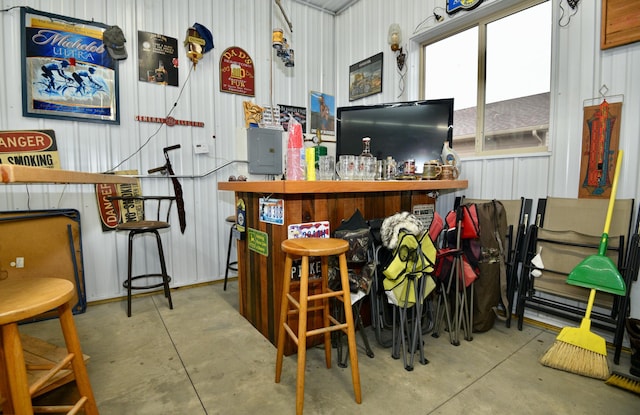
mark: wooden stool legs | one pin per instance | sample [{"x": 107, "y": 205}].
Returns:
[
  {"x": 79, "y": 369},
  {"x": 282, "y": 326},
  {"x": 351, "y": 329},
  {"x": 301, "y": 307},
  {"x": 14, "y": 384}
]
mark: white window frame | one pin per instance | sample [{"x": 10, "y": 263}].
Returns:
[{"x": 480, "y": 17}]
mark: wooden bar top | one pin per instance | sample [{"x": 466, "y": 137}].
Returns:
[
  {"x": 26, "y": 174},
  {"x": 335, "y": 186}
]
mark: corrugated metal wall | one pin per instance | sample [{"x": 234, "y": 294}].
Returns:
[
  {"x": 325, "y": 46},
  {"x": 199, "y": 255},
  {"x": 580, "y": 70}
]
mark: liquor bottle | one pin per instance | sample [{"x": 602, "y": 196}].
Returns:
[{"x": 366, "y": 147}]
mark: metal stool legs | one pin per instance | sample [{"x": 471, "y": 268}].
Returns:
[
  {"x": 128, "y": 284},
  {"x": 233, "y": 266}
]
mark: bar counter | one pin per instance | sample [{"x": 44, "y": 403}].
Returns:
[
  {"x": 260, "y": 276},
  {"x": 353, "y": 186}
]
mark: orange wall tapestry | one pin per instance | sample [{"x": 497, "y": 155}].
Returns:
[{"x": 600, "y": 142}]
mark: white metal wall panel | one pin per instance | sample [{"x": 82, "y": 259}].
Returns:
[
  {"x": 199, "y": 255},
  {"x": 580, "y": 69}
]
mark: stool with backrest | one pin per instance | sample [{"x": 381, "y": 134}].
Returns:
[
  {"x": 22, "y": 299},
  {"x": 231, "y": 265},
  {"x": 322, "y": 248},
  {"x": 141, "y": 227}
]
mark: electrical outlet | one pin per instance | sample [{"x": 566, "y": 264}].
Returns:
[{"x": 20, "y": 262}]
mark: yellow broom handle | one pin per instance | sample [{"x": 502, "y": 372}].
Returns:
[
  {"x": 592, "y": 297},
  {"x": 614, "y": 189}
]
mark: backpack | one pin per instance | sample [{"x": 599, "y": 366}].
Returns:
[
  {"x": 491, "y": 287},
  {"x": 356, "y": 231}
]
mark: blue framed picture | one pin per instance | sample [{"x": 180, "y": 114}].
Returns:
[{"x": 67, "y": 72}]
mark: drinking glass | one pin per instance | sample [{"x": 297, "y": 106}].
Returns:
[
  {"x": 346, "y": 167},
  {"x": 326, "y": 167}
]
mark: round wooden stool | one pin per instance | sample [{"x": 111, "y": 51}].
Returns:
[
  {"x": 322, "y": 248},
  {"x": 24, "y": 298}
]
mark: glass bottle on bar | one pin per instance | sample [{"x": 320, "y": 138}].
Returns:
[
  {"x": 366, "y": 161},
  {"x": 366, "y": 147}
]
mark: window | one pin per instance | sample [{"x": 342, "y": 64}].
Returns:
[{"x": 499, "y": 73}]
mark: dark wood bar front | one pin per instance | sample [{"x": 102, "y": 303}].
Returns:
[{"x": 260, "y": 277}]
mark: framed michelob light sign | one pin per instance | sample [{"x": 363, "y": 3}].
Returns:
[{"x": 66, "y": 70}]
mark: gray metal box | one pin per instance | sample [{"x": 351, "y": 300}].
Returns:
[{"x": 265, "y": 151}]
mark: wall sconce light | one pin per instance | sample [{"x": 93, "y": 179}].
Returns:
[
  {"x": 394, "y": 39},
  {"x": 283, "y": 51}
]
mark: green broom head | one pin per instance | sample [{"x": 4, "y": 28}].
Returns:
[{"x": 598, "y": 272}]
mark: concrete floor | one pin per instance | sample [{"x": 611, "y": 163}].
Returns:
[{"x": 204, "y": 358}]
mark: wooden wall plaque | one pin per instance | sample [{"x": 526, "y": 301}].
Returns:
[{"x": 620, "y": 23}]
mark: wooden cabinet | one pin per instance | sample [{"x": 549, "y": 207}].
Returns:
[{"x": 260, "y": 277}]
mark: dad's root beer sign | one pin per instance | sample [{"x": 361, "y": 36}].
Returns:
[{"x": 36, "y": 148}]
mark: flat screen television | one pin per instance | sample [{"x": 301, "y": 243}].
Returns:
[{"x": 415, "y": 130}]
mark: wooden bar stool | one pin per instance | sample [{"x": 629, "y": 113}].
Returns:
[
  {"x": 322, "y": 248},
  {"x": 24, "y": 298}
]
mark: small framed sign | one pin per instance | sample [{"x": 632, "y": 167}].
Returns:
[
  {"x": 365, "y": 77},
  {"x": 237, "y": 74}
]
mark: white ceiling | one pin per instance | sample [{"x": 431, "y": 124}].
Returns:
[{"x": 329, "y": 6}]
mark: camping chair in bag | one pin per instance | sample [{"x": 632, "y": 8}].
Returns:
[{"x": 517, "y": 212}]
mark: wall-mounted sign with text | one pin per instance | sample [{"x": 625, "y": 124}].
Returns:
[
  {"x": 237, "y": 75},
  {"x": 36, "y": 148},
  {"x": 157, "y": 59},
  {"x": 113, "y": 212}
]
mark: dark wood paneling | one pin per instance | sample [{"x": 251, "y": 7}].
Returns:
[{"x": 261, "y": 278}]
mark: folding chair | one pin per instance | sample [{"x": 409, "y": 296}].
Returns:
[
  {"x": 407, "y": 284},
  {"x": 382, "y": 311},
  {"x": 455, "y": 292},
  {"x": 357, "y": 263},
  {"x": 565, "y": 232}
]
